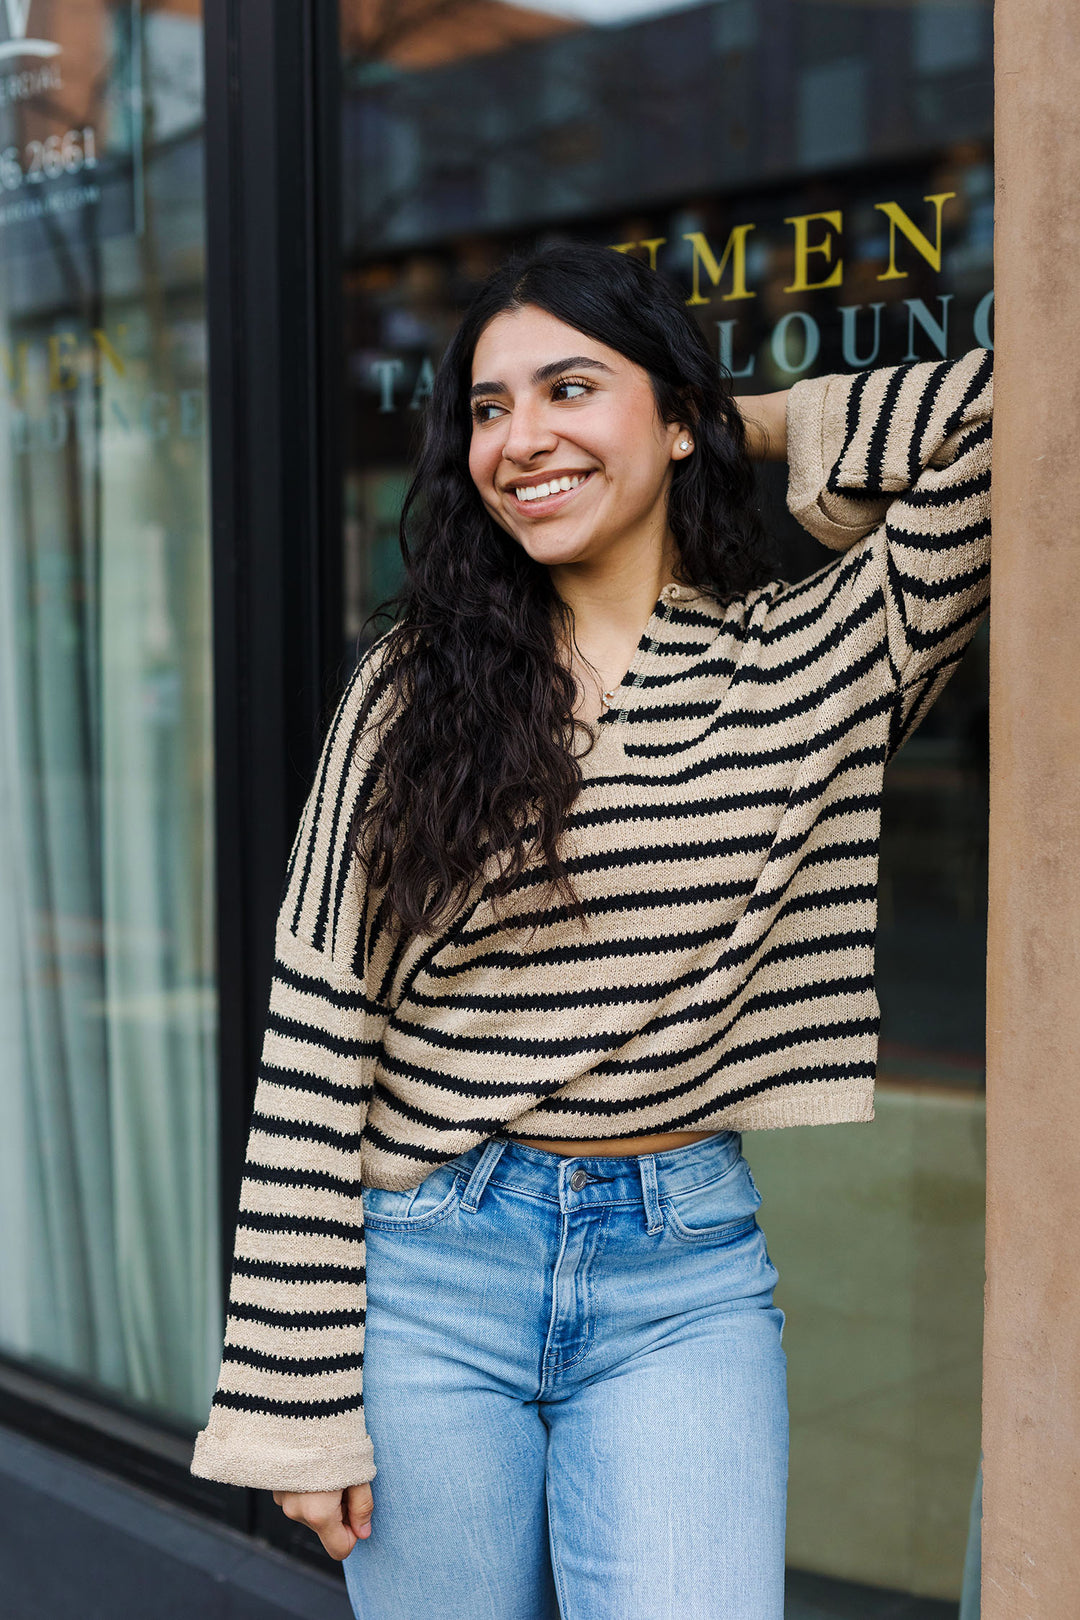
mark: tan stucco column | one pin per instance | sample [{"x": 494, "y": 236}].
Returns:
[{"x": 1031, "y": 1397}]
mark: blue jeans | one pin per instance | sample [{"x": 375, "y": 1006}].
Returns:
[{"x": 575, "y": 1385}]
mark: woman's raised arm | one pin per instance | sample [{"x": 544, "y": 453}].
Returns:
[{"x": 765, "y": 419}]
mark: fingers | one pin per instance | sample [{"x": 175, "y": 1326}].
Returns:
[
  {"x": 324, "y": 1512},
  {"x": 359, "y": 1506}
]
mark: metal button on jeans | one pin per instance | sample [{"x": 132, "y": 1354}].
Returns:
[{"x": 578, "y": 1179}]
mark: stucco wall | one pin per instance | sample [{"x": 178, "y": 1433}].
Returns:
[{"x": 1031, "y": 1506}]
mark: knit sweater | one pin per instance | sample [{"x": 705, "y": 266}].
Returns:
[{"x": 724, "y": 845}]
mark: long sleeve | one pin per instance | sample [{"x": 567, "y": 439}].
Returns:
[
  {"x": 892, "y": 466},
  {"x": 288, "y": 1410}
]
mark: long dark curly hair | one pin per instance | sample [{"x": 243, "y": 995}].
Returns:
[{"x": 480, "y": 758}]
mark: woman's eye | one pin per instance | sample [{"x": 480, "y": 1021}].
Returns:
[{"x": 484, "y": 410}]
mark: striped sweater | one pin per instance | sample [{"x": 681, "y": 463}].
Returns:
[{"x": 725, "y": 846}]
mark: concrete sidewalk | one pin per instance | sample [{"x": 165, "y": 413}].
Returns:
[{"x": 75, "y": 1541}]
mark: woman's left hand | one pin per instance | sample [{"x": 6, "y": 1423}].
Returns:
[{"x": 339, "y": 1518}]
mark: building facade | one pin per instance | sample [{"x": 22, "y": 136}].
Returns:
[{"x": 232, "y": 248}]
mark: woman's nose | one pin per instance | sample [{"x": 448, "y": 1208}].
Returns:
[{"x": 529, "y": 435}]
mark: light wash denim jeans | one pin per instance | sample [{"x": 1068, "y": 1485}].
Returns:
[{"x": 575, "y": 1385}]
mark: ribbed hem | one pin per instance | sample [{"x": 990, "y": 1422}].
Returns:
[{"x": 807, "y": 1102}]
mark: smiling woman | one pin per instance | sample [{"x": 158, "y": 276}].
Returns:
[
  {"x": 538, "y": 967},
  {"x": 531, "y": 607}
]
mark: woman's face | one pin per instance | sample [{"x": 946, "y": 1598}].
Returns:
[{"x": 554, "y": 409}]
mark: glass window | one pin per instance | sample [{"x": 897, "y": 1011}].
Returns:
[
  {"x": 108, "y": 1139},
  {"x": 817, "y": 178}
]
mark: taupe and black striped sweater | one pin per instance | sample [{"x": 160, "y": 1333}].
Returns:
[{"x": 725, "y": 844}]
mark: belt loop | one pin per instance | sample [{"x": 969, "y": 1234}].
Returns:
[
  {"x": 654, "y": 1215},
  {"x": 482, "y": 1169}
]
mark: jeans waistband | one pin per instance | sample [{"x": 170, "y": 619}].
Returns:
[{"x": 581, "y": 1182}]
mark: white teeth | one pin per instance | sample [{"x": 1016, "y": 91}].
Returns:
[{"x": 537, "y": 492}]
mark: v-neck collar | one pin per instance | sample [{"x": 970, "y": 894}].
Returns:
[{"x": 651, "y": 637}]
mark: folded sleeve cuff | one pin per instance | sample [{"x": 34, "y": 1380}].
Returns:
[
  {"x": 240, "y": 1459},
  {"x": 817, "y": 429}
]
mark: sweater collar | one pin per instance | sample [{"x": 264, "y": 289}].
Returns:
[{"x": 655, "y": 633}]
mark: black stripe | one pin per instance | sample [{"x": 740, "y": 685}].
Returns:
[
  {"x": 836, "y": 576},
  {"x": 952, "y": 494},
  {"x": 920, "y": 640},
  {"x": 724, "y": 804},
  {"x": 854, "y": 617},
  {"x": 332, "y": 994},
  {"x": 598, "y": 906},
  {"x": 854, "y": 759},
  {"x": 687, "y": 649},
  {"x": 418, "y": 1153},
  {"x": 300, "y": 1225},
  {"x": 680, "y": 617},
  {"x": 240, "y": 1311},
  {"x": 298, "y": 1409},
  {"x": 854, "y": 405},
  {"x": 812, "y": 1074},
  {"x": 979, "y": 379},
  {"x": 313, "y": 1035},
  {"x": 717, "y": 669},
  {"x": 923, "y": 412},
  {"x": 355, "y": 679},
  {"x": 310, "y": 1271},
  {"x": 327, "y": 916},
  {"x": 935, "y": 590},
  {"x": 313, "y": 1085},
  {"x": 873, "y": 483},
  {"x": 346, "y": 863},
  {"x": 295, "y": 1366},
  {"x": 964, "y": 536},
  {"x": 319, "y": 1180},
  {"x": 306, "y": 1131}
]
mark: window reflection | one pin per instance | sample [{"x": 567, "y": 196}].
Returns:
[{"x": 108, "y": 1166}]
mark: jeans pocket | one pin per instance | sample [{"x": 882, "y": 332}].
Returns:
[
  {"x": 414, "y": 1209},
  {"x": 721, "y": 1210}
]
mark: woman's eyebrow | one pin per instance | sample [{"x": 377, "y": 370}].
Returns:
[{"x": 543, "y": 374}]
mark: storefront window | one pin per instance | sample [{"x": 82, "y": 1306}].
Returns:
[
  {"x": 108, "y": 1136},
  {"x": 817, "y": 178}
]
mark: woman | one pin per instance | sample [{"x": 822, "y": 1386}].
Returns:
[{"x": 584, "y": 888}]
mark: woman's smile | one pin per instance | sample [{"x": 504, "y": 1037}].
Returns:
[{"x": 542, "y": 494}]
